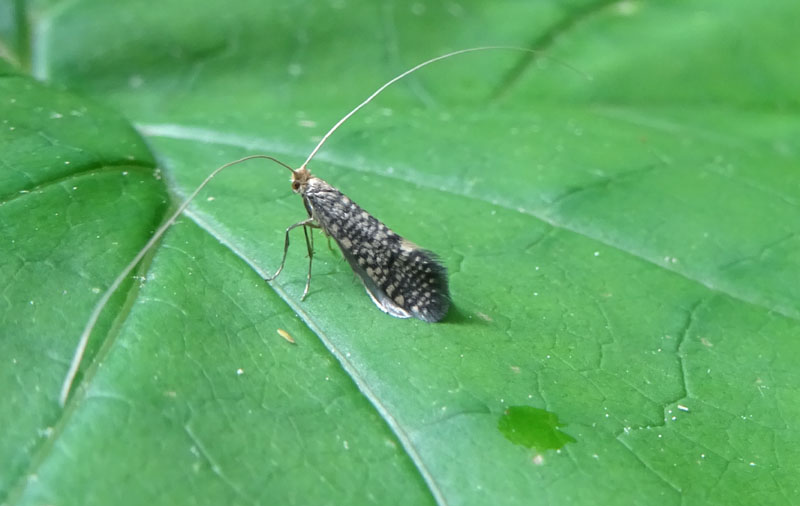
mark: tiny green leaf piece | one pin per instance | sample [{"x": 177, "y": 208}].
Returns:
[{"x": 533, "y": 428}]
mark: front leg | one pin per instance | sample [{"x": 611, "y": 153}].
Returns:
[
  {"x": 310, "y": 247},
  {"x": 305, "y": 223}
]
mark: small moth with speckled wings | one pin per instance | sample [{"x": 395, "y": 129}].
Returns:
[{"x": 401, "y": 278}]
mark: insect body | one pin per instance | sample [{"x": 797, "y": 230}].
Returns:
[{"x": 402, "y": 279}]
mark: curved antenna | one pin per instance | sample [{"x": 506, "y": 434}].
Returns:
[
  {"x": 101, "y": 303},
  {"x": 419, "y": 66}
]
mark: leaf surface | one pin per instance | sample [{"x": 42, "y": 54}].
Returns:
[{"x": 622, "y": 255}]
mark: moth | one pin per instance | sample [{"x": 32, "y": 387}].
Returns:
[{"x": 401, "y": 278}]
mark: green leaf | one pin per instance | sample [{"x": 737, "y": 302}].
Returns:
[{"x": 622, "y": 255}]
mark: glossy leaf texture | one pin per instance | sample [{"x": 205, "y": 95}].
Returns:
[{"x": 622, "y": 253}]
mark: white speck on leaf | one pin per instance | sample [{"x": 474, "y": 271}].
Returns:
[{"x": 135, "y": 81}]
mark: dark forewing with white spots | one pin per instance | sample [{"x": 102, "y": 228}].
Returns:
[{"x": 400, "y": 277}]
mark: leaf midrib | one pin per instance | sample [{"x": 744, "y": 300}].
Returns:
[{"x": 225, "y": 139}]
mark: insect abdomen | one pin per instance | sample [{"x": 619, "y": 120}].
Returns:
[{"x": 401, "y": 278}]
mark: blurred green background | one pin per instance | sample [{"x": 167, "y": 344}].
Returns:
[{"x": 622, "y": 253}]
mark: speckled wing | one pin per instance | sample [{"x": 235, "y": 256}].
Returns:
[{"x": 401, "y": 278}]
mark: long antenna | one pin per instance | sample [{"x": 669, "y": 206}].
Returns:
[
  {"x": 80, "y": 349},
  {"x": 419, "y": 66}
]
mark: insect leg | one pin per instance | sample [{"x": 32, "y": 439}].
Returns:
[
  {"x": 310, "y": 246},
  {"x": 304, "y": 223}
]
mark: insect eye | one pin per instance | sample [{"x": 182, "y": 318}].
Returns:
[{"x": 295, "y": 185}]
